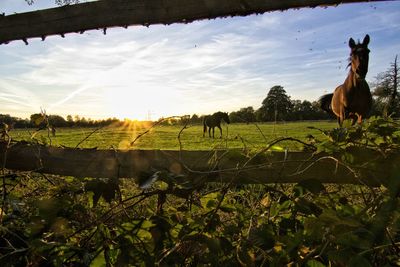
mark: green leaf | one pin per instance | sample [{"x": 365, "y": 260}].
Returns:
[
  {"x": 263, "y": 236},
  {"x": 357, "y": 261},
  {"x": 107, "y": 190},
  {"x": 245, "y": 256},
  {"x": 314, "y": 263},
  {"x": 147, "y": 179},
  {"x": 351, "y": 240},
  {"x": 99, "y": 261},
  {"x": 307, "y": 207},
  {"x": 210, "y": 200},
  {"x": 161, "y": 185},
  {"x": 228, "y": 208},
  {"x": 48, "y": 208},
  {"x": 37, "y": 119},
  {"x": 213, "y": 244},
  {"x": 312, "y": 185},
  {"x": 277, "y": 148}
]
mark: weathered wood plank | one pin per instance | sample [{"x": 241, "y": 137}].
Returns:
[
  {"x": 114, "y": 13},
  {"x": 210, "y": 166}
]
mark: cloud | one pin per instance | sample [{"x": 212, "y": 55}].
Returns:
[{"x": 223, "y": 64}]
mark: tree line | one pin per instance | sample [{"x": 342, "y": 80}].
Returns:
[
  {"x": 277, "y": 106},
  {"x": 40, "y": 119}
]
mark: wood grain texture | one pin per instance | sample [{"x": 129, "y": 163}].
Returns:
[
  {"x": 122, "y": 13},
  {"x": 207, "y": 166}
]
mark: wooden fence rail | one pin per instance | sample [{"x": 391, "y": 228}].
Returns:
[
  {"x": 112, "y": 13},
  {"x": 209, "y": 166}
]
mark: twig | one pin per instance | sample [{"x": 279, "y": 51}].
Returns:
[
  {"x": 396, "y": 246},
  {"x": 13, "y": 252},
  {"x": 179, "y": 138},
  {"x": 84, "y": 139},
  {"x": 3, "y": 167},
  {"x": 378, "y": 248},
  {"x": 47, "y": 179},
  {"x": 154, "y": 125}
]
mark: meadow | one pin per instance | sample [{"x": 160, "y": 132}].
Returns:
[{"x": 173, "y": 137}]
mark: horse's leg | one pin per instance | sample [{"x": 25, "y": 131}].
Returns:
[
  {"x": 213, "y": 131},
  {"x": 339, "y": 121},
  {"x": 342, "y": 116},
  {"x": 353, "y": 119},
  {"x": 209, "y": 131},
  {"x": 220, "y": 131},
  {"x": 204, "y": 130},
  {"x": 359, "y": 119}
]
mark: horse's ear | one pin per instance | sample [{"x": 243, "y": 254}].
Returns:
[
  {"x": 352, "y": 43},
  {"x": 366, "y": 40}
]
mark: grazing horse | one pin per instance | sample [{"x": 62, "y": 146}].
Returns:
[
  {"x": 351, "y": 100},
  {"x": 213, "y": 121}
]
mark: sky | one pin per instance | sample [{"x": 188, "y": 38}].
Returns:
[{"x": 197, "y": 68}]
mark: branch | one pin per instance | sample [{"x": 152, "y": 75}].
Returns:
[{"x": 123, "y": 13}]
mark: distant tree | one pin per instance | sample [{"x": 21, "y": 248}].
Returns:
[
  {"x": 235, "y": 117},
  {"x": 302, "y": 110},
  {"x": 82, "y": 122},
  {"x": 276, "y": 106},
  {"x": 296, "y": 110},
  {"x": 13, "y": 122},
  {"x": 70, "y": 120},
  {"x": 243, "y": 115},
  {"x": 386, "y": 90},
  {"x": 57, "y": 121},
  {"x": 7, "y": 119},
  {"x": 195, "y": 119},
  {"x": 318, "y": 113}
]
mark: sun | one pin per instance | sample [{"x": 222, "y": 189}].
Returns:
[{"x": 132, "y": 104}]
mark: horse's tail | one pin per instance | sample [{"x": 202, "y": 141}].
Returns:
[
  {"x": 325, "y": 102},
  {"x": 204, "y": 126}
]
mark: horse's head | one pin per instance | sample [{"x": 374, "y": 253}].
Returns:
[
  {"x": 225, "y": 116},
  {"x": 359, "y": 56}
]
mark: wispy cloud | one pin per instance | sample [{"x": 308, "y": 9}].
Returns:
[{"x": 202, "y": 67}]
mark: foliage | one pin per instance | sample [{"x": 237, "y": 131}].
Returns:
[
  {"x": 16, "y": 122},
  {"x": 57, "y": 121},
  {"x": 165, "y": 220},
  {"x": 386, "y": 90},
  {"x": 243, "y": 115}
]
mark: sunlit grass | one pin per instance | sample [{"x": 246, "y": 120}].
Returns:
[{"x": 190, "y": 138}]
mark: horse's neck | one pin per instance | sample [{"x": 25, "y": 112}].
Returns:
[{"x": 352, "y": 80}]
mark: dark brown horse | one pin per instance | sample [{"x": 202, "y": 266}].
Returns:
[
  {"x": 352, "y": 100},
  {"x": 213, "y": 121}
]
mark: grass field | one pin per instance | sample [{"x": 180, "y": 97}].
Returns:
[{"x": 166, "y": 137}]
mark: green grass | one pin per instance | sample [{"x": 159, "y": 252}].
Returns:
[{"x": 166, "y": 137}]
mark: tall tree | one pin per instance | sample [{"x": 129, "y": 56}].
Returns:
[
  {"x": 276, "y": 106},
  {"x": 386, "y": 90}
]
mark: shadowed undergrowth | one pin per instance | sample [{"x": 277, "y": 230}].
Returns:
[{"x": 169, "y": 221}]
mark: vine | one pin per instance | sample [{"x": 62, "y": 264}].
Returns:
[{"x": 163, "y": 219}]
